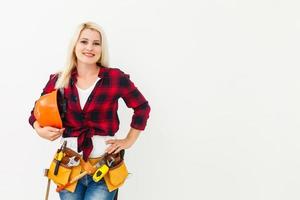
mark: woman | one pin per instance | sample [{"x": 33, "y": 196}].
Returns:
[{"x": 91, "y": 90}]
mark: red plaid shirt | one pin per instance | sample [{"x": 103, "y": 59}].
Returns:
[{"x": 99, "y": 114}]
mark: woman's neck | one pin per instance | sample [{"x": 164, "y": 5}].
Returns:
[{"x": 86, "y": 70}]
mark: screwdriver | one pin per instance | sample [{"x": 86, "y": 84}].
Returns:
[{"x": 59, "y": 156}]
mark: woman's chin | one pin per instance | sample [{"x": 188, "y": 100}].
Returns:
[{"x": 88, "y": 61}]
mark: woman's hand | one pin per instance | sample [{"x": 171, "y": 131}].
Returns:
[
  {"x": 47, "y": 132},
  {"x": 116, "y": 145}
]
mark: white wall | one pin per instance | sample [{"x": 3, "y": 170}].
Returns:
[{"x": 221, "y": 76}]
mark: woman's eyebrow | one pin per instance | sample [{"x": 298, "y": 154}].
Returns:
[{"x": 88, "y": 39}]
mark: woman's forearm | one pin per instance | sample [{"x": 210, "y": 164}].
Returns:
[{"x": 133, "y": 135}]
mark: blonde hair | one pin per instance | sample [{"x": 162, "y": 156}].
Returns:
[{"x": 65, "y": 75}]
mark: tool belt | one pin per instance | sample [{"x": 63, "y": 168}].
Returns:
[{"x": 67, "y": 167}]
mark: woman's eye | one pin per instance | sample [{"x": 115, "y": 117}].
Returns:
[
  {"x": 84, "y": 42},
  {"x": 96, "y": 43}
]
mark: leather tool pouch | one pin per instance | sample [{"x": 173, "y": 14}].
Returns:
[
  {"x": 65, "y": 173},
  {"x": 117, "y": 173},
  {"x": 116, "y": 176}
]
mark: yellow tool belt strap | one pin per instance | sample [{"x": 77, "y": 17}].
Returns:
[{"x": 90, "y": 165}]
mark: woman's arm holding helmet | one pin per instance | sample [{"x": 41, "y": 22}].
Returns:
[{"x": 46, "y": 132}]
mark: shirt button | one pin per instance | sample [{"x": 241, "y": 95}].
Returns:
[{"x": 74, "y": 98}]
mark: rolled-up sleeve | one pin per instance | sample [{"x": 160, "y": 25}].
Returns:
[
  {"x": 134, "y": 99},
  {"x": 48, "y": 88}
]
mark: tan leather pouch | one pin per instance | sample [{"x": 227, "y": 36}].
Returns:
[
  {"x": 116, "y": 176},
  {"x": 65, "y": 174}
]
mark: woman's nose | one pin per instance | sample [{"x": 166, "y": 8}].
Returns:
[{"x": 89, "y": 47}]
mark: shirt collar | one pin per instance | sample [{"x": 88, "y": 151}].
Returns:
[{"x": 74, "y": 73}]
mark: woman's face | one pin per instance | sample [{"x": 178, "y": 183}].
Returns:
[{"x": 88, "y": 47}]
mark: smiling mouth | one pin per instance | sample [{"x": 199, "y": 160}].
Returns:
[{"x": 88, "y": 54}]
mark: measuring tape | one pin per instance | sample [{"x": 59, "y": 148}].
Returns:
[{"x": 100, "y": 172}]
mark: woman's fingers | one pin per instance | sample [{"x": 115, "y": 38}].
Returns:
[
  {"x": 110, "y": 149},
  {"x": 117, "y": 150},
  {"x": 54, "y": 137},
  {"x": 52, "y": 133},
  {"x": 52, "y": 129},
  {"x": 115, "y": 146},
  {"x": 61, "y": 131},
  {"x": 111, "y": 141}
]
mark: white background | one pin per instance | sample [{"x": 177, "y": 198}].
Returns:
[{"x": 221, "y": 76}]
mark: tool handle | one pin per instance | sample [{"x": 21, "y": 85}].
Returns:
[
  {"x": 60, "y": 188},
  {"x": 48, "y": 189},
  {"x": 48, "y": 184},
  {"x": 59, "y": 157},
  {"x": 56, "y": 167}
]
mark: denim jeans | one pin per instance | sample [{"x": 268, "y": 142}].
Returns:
[{"x": 87, "y": 189}]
